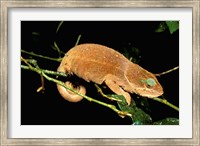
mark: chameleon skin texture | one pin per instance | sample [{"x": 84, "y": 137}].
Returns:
[{"x": 98, "y": 63}]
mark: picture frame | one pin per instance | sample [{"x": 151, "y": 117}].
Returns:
[{"x": 5, "y": 5}]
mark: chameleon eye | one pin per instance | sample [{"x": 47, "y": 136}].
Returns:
[
  {"x": 151, "y": 82},
  {"x": 148, "y": 86}
]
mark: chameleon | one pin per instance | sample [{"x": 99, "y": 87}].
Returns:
[{"x": 101, "y": 64}]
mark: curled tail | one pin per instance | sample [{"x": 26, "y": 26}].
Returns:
[{"x": 67, "y": 94}]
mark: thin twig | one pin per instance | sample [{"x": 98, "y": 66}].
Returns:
[
  {"x": 166, "y": 72},
  {"x": 41, "y": 88},
  {"x": 77, "y": 41},
  {"x": 25, "y": 61},
  {"x": 59, "y": 25},
  {"x": 55, "y": 47},
  {"x": 41, "y": 56},
  {"x": 104, "y": 95},
  {"x": 50, "y": 72},
  {"x": 164, "y": 101},
  {"x": 32, "y": 68}
]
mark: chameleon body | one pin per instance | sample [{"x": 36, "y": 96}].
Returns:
[{"x": 101, "y": 64}]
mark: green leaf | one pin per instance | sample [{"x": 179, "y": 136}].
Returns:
[
  {"x": 139, "y": 117},
  {"x": 173, "y": 26},
  {"x": 167, "y": 121},
  {"x": 162, "y": 27}
]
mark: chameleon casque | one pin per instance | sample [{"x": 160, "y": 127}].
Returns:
[{"x": 98, "y": 63}]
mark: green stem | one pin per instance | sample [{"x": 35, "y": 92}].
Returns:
[
  {"x": 106, "y": 96},
  {"x": 59, "y": 25},
  {"x": 164, "y": 101},
  {"x": 55, "y": 47},
  {"x": 168, "y": 71},
  {"x": 41, "y": 56},
  {"x": 50, "y": 72},
  {"x": 77, "y": 41}
]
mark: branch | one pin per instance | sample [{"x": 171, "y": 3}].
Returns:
[
  {"x": 41, "y": 56},
  {"x": 166, "y": 72},
  {"x": 164, "y": 101},
  {"x": 40, "y": 71},
  {"x": 59, "y": 25},
  {"x": 50, "y": 72},
  {"x": 44, "y": 74},
  {"x": 106, "y": 96},
  {"x": 78, "y": 39}
]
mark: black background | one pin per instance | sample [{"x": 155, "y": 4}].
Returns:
[{"x": 159, "y": 52}]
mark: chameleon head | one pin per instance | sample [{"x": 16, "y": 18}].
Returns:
[
  {"x": 149, "y": 87},
  {"x": 143, "y": 82}
]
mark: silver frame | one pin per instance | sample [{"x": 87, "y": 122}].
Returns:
[{"x": 5, "y": 5}]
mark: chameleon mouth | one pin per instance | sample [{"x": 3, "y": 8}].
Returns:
[{"x": 150, "y": 93}]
